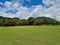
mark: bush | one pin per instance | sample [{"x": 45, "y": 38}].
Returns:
[{"x": 10, "y": 22}]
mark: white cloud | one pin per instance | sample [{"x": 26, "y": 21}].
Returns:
[
  {"x": 54, "y": 10},
  {"x": 1, "y": 3},
  {"x": 35, "y": 11},
  {"x": 48, "y": 1},
  {"x": 22, "y": 13},
  {"x": 7, "y": 4},
  {"x": 11, "y": 5}
]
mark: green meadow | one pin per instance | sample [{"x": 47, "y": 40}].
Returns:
[{"x": 30, "y": 35}]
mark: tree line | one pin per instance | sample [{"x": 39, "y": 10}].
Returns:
[{"x": 4, "y": 21}]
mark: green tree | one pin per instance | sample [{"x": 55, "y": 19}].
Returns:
[
  {"x": 1, "y": 20},
  {"x": 37, "y": 22}
]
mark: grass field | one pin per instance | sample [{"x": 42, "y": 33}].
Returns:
[{"x": 30, "y": 35}]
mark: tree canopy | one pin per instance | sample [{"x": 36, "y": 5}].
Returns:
[{"x": 4, "y": 21}]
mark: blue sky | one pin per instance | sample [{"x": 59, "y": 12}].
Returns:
[
  {"x": 24, "y": 9},
  {"x": 28, "y": 3}
]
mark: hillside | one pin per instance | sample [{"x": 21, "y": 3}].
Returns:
[
  {"x": 47, "y": 20},
  {"x": 4, "y": 21}
]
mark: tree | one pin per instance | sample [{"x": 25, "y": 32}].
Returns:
[
  {"x": 30, "y": 18},
  {"x": 31, "y": 21},
  {"x": 1, "y": 20},
  {"x": 10, "y": 22},
  {"x": 37, "y": 22}
]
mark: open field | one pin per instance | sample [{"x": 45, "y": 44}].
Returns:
[{"x": 30, "y": 35}]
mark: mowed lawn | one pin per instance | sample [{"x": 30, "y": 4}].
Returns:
[{"x": 30, "y": 35}]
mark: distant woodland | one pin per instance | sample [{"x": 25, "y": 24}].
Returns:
[{"x": 4, "y": 21}]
